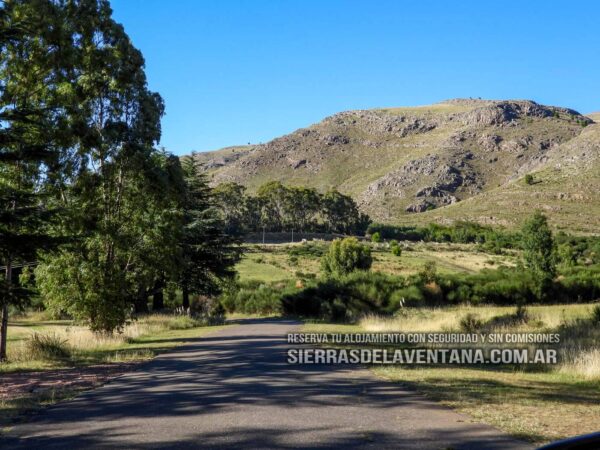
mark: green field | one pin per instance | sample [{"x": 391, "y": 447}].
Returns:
[{"x": 274, "y": 262}]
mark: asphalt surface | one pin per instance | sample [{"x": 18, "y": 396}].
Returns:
[{"x": 234, "y": 389}]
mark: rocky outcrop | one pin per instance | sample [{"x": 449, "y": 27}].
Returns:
[{"x": 400, "y": 160}]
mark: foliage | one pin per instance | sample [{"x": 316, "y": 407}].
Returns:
[
  {"x": 596, "y": 314},
  {"x": 529, "y": 179},
  {"x": 35, "y": 127},
  {"x": 345, "y": 256},
  {"x": 277, "y": 207},
  {"x": 47, "y": 346},
  {"x": 208, "y": 254},
  {"x": 470, "y": 323},
  {"x": 376, "y": 237},
  {"x": 539, "y": 251},
  {"x": 396, "y": 249},
  {"x": 207, "y": 310},
  {"x": 255, "y": 297},
  {"x": 491, "y": 239},
  {"x": 428, "y": 273},
  {"x": 308, "y": 249}
]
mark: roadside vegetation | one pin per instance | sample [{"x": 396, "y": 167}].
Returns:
[
  {"x": 39, "y": 342},
  {"x": 51, "y": 360},
  {"x": 114, "y": 249},
  {"x": 523, "y": 400},
  {"x": 462, "y": 278}
]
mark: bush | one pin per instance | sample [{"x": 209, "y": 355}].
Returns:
[
  {"x": 470, "y": 323},
  {"x": 345, "y": 256},
  {"x": 308, "y": 249},
  {"x": 376, "y": 237},
  {"x": 47, "y": 346},
  {"x": 348, "y": 297},
  {"x": 596, "y": 314},
  {"x": 429, "y": 272},
  {"x": 207, "y": 310},
  {"x": 529, "y": 179},
  {"x": 396, "y": 250},
  {"x": 255, "y": 298},
  {"x": 182, "y": 322}
]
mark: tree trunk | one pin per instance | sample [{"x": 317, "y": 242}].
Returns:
[
  {"x": 185, "y": 294},
  {"x": 158, "y": 299},
  {"x": 140, "y": 304},
  {"x": 4, "y": 325}
]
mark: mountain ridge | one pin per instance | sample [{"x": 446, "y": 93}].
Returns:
[{"x": 411, "y": 164}]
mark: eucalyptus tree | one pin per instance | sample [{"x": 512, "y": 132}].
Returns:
[{"x": 111, "y": 194}]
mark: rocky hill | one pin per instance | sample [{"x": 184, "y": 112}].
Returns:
[{"x": 459, "y": 159}]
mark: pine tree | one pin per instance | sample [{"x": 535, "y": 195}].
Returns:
[
  {"x": 208, "y": 254},
  {"x": 34, "y": 127}
]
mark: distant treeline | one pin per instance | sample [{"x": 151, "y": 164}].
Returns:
[
  {"x": 460, "y": 233},
  {"x": 569, "y": 249},
  {"x": 276, "y": 207}
]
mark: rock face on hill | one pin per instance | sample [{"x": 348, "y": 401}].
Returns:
[{"x": 422, "y": 163}]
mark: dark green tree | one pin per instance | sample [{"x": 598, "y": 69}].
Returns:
[
  {"x": 341, "y": 214},
  {"x": 35, "y": 106},
  {"x": 272, "y": 198},
  {"x": 539, "y": 251},
  {"x": 208, "y": 253}
]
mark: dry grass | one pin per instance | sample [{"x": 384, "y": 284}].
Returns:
[
  {"x": 448, "y": 319},
  {"x": 523, "y": 401},
  {"x": 580, "y": 341},
  {"x": 39, "y": 344}
]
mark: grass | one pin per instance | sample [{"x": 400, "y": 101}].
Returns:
[
  {"x": 539, "y": 407},
  {"x": 38, "y": 344},
  {"x": 272, "y": 263},
  {"x": 537, "y": 404}
]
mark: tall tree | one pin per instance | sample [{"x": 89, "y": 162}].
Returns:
[
  {"x": 233, "y": 207},
  {"x": 35, "y": 106},
  {"x": 341, "y": 214},
  {"x": 111, "y": 195},
  {"x": 208, "y": 254},
  {"x": 539, "y": 251}
]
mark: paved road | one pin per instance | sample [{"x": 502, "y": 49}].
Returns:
[{"x": 233, "y": 389}]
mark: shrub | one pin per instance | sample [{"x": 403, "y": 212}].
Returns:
[
  {"x": 376, "y": 237},
  {"x": 207, "y": 310},
  {"x": 347, "y": 297},
  {"x": 308, "y": 249},
  {"x": 47, "y": 346},
  {"x": 596, "y": 314},
  {"x": 529, "y": 179},
  {"x": 345, "y": 256},
  {"x": 470, "y": 323},
  {"x": 396, "y": 250},
  {"x": 429, "y": 272},
  {"x": 182, "y": 322},
  {"x": 255, "y": 298}
]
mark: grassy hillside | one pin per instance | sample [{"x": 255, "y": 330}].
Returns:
[{"x": 452, "y": 160}]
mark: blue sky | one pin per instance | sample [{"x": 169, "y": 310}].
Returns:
[{"x": 233, "y": 72}]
